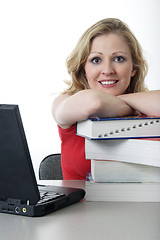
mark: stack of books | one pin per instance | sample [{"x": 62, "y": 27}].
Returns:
[{"x": 124, "y": 166}]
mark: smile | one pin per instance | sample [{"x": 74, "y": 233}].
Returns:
[{"x": 108, "y": 82}]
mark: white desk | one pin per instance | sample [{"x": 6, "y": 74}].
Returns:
[{"x": 86, "y": 220}]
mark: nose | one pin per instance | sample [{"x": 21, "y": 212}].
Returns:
[{"x": 107, "y": 68}]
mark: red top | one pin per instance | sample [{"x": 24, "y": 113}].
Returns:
[{"x": 74, "y": 164}]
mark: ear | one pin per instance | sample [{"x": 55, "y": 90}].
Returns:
[{"x": 134, "y": 70}]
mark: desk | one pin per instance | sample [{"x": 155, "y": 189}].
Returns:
[{"x": 86, "y": 220}]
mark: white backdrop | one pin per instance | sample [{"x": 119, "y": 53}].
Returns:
[{"x": 36, "y": 37}]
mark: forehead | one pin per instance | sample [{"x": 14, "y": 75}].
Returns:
[{"x": 110, "y": 42}]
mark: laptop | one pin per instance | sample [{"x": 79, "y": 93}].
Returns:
[{"x": 19, "y": 192}]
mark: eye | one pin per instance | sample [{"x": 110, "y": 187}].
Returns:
[
  {"x": 119, "y": 59},
  {"x": 96, "y": 60}
]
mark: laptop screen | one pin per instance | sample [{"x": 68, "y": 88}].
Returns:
[{"x": 17, "y": 178}]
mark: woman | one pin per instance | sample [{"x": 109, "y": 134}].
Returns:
[{"x": 107, "y": 71}]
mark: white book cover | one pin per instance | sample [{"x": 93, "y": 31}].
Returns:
[{"x": 127, "y": 150}]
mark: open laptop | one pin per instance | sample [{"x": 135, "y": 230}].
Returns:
[{"x": 19, "y": 192}]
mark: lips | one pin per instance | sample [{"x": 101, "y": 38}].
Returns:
[{"x": 108, "y": 82}]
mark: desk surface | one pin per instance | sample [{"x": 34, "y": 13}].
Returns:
[{"x": 86, "y": 220}]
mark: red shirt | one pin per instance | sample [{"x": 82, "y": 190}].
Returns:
[{"x": 74, "y": 164}]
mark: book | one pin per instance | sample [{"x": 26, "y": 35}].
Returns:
[
  {"x": 137, "y": 151},
  {"x": 117, "y": 128},
  {"x": 122, "y": 192},
  {"x": 113, "y": 171}
]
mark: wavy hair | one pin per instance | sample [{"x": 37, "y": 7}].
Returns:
[{"x": 76, "y": 61}]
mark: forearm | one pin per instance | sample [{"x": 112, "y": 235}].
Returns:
[
  {"x": 144, "y": 102},
  {"x": 87, "y": 103},
  {"x": 110, "y": 106}
]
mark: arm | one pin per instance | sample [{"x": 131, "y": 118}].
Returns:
[
  {"x": 147, "y": 103},
  {"x": 67, "y": 110}
]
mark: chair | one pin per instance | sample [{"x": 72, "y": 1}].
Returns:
[{"x": 50, "y": 168}]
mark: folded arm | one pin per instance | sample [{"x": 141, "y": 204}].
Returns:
[
  {"x": 147, "y": 102},
  {"x": 67, "y": 110}
]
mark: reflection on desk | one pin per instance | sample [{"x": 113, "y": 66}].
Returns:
[{"x": 86, "y": 220}]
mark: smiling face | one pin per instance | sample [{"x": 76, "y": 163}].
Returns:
[{"x": 109, "y": 66}]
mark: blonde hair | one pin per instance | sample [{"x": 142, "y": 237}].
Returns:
[{"x": 76, "y": 61}]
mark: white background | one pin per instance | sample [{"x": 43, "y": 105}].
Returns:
[{"x": 36, "y": 37}]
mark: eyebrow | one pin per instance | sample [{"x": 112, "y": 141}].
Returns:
[
  {"x": 119, "y": 52},
  {"x": 96, "y": 53},
  {"x": 114, "y": 53}
]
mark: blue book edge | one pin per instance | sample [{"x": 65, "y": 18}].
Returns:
[{"x": 122, "y": 118}]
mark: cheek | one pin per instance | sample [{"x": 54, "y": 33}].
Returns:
[
  {"x": 126, "y": 72},
  {"x": 91, "y": 73},
  {"x": 88, "y": 71},
  {"x": 91, "y": 69}
]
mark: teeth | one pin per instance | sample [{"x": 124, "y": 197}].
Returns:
[{"x": 108, "y": 82}]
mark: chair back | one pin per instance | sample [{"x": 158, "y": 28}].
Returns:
[{"x": 50, "y": 168}]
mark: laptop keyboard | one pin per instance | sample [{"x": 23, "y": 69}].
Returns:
[{"x": 46, "y": 196}]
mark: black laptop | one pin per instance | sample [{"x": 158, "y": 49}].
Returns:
[{"x": 19, "y": 192}]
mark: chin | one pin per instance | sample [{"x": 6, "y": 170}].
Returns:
[{"x": 109, "y": 91}]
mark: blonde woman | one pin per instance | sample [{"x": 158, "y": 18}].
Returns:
[{"x": 107, "y": 72}]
